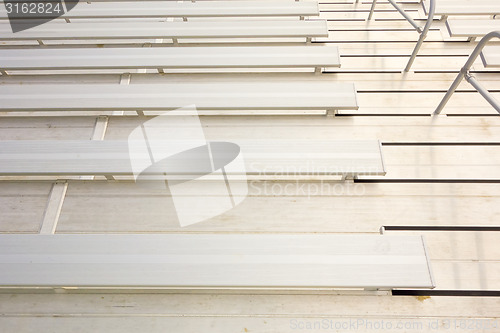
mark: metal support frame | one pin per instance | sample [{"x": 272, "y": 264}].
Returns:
[
  {"x": 331, "y": 112},
  {"x": 349, "y": 178},
  {"x": 464, "y": 73},
  {"x": 422, "y": 31},
  {"x": 54, "y": 207}
]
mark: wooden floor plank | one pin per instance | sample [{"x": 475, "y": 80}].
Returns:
[
  {"x": 459, "y": 245},
  {"x": 423, "y": 103},
  {"x": 285, "y": 207},
  {"x": 23, "y": 206},
  {"x": 397, "y": 64},
  {"x": 274, "y": 321},
  {"x": 377, "y": 36},
  {"x": 46, "y": 128},
  {"x": 466, "y": 275},
  {"x": 191, "y": 305},
  {"x": 405, "y": 48},
  {"x": 442, "y": 162},
  {"x": 390, "y": 129},
  {"x": 461, "y": 260}
]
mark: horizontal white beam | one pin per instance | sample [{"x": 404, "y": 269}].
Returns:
[
  {"x": 214, "y": 261},
  {"x": 464, "y": 7},
  {"x": 266, "y": 157},
  {"x": 167, "y": 30},
  {"x": 169, "y": 57},
  {"x": 237, "y": 95},
  {"x": 491, "y": 57},
  {"x": 471, "y": 28},
  {"x": 164, "y": 9}
]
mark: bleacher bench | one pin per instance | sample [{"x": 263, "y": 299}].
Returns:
[
  {"x": 169, "y": 58},
  {"x": 112, "y": 159},
  {"x": 167, "y": 30},
  {"x": 471, "y": 28},
  {"x": 201, "y": 261},
  {"x": 445, "y": 8},
  {"x": 491, "y": 57},
  {"x": 206, "y": 95},
  {"x": 165, "y": 9}
]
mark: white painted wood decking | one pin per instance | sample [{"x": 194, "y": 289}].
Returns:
[{"x": 441, "y": 172}]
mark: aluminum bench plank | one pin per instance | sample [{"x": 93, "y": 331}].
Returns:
[
  {"x": 113, "y": 158},
  {"x": 491, "y": 56},
  {"x": 170, "y": 57},
  {"x": 471, "y": 28},
  {"x": 184, "y": 261},
  {"x": 237, "y": 95},
  {"x": 157, "y": 9},
  {"x": 465, "y": 7},
  {"x": 168, "y": 30}
]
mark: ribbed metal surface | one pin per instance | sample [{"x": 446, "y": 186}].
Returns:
[
  {"x": 214, "y": 261},
  {"x": 145, "y": 9},
  {"x": 150, "y": 30},
  {"x": 297, "y": 158},
  {"x": 171, "y": 57},
  {"x": 308, "y": 95}
]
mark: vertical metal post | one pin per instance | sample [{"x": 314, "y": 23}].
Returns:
[
  {"x": 423, "y": 35},
  {"x": 450, "y": 92},
  {"x": 374, "y": 3},
  {"x": 423, "y": 32}
]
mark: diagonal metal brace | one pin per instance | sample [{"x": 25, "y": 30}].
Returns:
[
  {"x": 422, "y": 31},
  {"x": 464, "y": 73}
]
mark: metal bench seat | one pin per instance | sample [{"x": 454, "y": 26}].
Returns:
[
  {"x": 491, "y": 56},
  {"x": 471, "y": 28},
  {"x": 157, "y": 9},
  {"x": 167, "y": 30},
  {"x": 267, "y": 158},
  {"x": 211, "y": 261},
  {"x": 169, "y": 58},
  {"x": 233, "y": 95},
  {"x": 446, "y": 8}
]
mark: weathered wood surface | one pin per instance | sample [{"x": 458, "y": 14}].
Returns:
[{"x": 461, "y": 260}]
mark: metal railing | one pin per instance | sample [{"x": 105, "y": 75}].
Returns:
[
  {"x": 422, "y": 31},
  {"x": 465, "y": 73}
]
